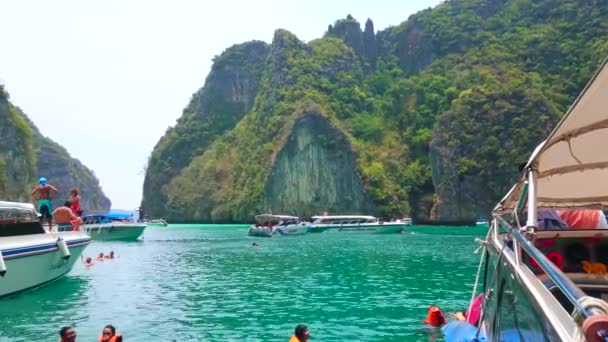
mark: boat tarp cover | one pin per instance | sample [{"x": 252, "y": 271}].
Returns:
[
  {"x": 271, "y": 218},
  {"x": 572, "y": 163},
  {"x": 111, "y": 215}
]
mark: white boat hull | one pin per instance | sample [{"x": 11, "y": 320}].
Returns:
[
  {"x": 369, "y": 228},
  {"x": 114, "y": 231},
  {"x": 290, "y": 230},
  {"x": 260, "y": 231},
  {"x": 35, "y": 260}
]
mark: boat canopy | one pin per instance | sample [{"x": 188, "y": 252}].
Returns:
[
  {"x": 4, "y": 205},
  {"x": 14, "y": 212},
  {"x": 274, "y": 218},
  {"x": 343, "y": 219},
  {"x": 571, "y": 166}
]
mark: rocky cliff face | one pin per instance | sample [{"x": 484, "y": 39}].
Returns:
[
  {"x": 316, "y": 171},
  {"x": 65, "y": 173},
  {"x": 364, "y": 43},
  {"x": 430, "y": 117},
  {"x": 504, "y": 122},
  {"x": 17, "y": 156},
  {"x": 229, "y": 92},
  {"x": 26, "y": 155}
]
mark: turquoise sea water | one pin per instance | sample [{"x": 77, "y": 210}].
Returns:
[{"x": 207, "y": 283}]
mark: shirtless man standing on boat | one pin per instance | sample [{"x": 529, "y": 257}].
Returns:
[{"x": 45, "y": 194}]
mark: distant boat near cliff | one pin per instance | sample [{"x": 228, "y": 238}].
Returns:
[
  {"x": 157, "y": 223},
  {"x": 481, "y": 222},
  {"x": 112, "y": 226},
  {"x": 356, "y": 224},
  {"x": 267, "y": 225}
]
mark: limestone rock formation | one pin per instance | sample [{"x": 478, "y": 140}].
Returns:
[
  {"x": 17, "y": 154},
  {"x": 429, "y": 118},
  {"x": 229, "y": 92},
  {"x": 315, "y": 172},
  {"x": 25, "y": 155}
]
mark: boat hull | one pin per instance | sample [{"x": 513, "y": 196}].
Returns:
[
  {"x": 34, "y": 261},
  {"x": 157, "y": 223},
  {"x": 113, "y": 231},
  {"x": 291, "y": 230},
  {"x": 260, "y": 231},
  {"x": 380, "y": 228}
]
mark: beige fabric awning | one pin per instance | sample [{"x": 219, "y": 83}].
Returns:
[{"x": 572, "y": 163}]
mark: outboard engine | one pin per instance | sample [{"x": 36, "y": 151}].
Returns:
[
  {"x": 63, "y": 248},
  {"x": 2, "y": 265}
]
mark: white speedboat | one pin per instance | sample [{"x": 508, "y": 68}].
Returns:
[
  {"x": 267, "y": 225},
  {"x": 157, "y": 223},
  {"x": 112, "y": 227},
  {"x": 481, "y": 222},
  {"x": 29, "y": 255},
  {"x": 542, "y": 275},
  {"x": 356, "y": 224}
]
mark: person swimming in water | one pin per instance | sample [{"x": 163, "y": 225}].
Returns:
[
  {"x": 88, "y": 262},
  {"x": 108, "y": 334},
  {"x": 110, "y": 256},
  {"x": 100, "y": 257},
  {"x": 44, "y": 192},
  {"x": 301, "y": 334},
  {"x": 67, "y": 334}
]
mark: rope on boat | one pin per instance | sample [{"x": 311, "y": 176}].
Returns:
[
  {"x": 483, "y": 247},
  {"x": 588, "y": 303}
]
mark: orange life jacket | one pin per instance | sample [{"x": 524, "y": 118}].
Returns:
[
  {"x": 112, "y": 339},
  {"x": 294, "y": 338},
  {"x": 435, "y": 317}
]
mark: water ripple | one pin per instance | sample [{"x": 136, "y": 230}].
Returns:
[{"x": 210, "y": 284}]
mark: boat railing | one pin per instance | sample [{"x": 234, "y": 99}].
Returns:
[{"x": 570, "y": 290}]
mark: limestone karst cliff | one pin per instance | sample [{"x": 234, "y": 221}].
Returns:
[
  {"x": 429, "y": 118},
  {"x": 25, "y": 155}
]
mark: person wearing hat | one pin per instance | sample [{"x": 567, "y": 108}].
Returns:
[{"x": 44, "y": 192}]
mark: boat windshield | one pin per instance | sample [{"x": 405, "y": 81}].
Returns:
[{"x": 19, "y": 221}]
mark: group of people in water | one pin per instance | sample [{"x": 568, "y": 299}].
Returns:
[
  {"x": 108, "y": 334},
  {"x": 67, "y": 217},
  {"x": 101, "y": 257}
]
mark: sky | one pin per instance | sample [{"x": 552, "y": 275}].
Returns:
[{"x": 105, "y": 79}]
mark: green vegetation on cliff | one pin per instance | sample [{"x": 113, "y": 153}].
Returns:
[
  {"x": 427, "y": 118},
  {"x": 17, "y": 154},
  {"x": 25, "y": 154},
  {"x": 232, "y": 87}
]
